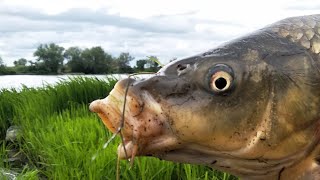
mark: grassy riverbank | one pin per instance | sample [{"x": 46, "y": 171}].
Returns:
[{"x": 60, "y": 136}]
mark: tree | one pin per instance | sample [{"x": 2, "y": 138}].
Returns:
[
  {"x": 4, "y": 70},
  {"x": 20, "y": 62},
  {"x": 52, "y": 57},
  {"x": 75, "y": 61},
  {"x": 140, "y": 64},
  {"x": 122, "y": 63},
  {"x": 1, "y": 62},
  {"x": 2, "y": 67},
  {"x": 97, "y": 61},
  {"x": 153, "y": 64}
]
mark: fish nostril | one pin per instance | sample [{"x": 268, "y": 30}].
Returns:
[{"x": 181, "y": 67}]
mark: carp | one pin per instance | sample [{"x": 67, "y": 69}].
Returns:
[{"x": 250, "y": 107}]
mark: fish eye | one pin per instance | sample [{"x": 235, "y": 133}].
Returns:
[
  {"x": 220, "y": 81},
  {"x": 220, "y": 78}
]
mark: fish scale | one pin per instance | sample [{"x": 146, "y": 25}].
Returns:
[{"x": 303, "y": 30}]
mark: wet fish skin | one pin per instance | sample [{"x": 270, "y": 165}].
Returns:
[{"x": 265, "y": 126}]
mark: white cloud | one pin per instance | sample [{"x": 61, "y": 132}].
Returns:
[{"x": 163, "y": 28}]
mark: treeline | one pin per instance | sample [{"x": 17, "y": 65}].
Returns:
[{"x": 54, "y": 59}]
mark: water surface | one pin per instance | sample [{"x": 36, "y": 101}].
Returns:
[{"x": 17, "y": 81}]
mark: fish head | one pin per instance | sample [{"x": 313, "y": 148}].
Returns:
[
  {"x": 211, "y": 102},
  {"x": 247, "y": 107}
]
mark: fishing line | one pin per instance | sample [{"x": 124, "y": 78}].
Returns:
[
  {"x": 121, "y": 126},
  {"x": 122, "y": 122}
]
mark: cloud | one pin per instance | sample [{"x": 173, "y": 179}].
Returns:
[
  {"x": 308, "y": 6},
  {"x": 18, "y": 24},
  {"x": 165, "y": 36},
  {"x": 89, "y": 17},
  {"x": 177, "y": 23}
]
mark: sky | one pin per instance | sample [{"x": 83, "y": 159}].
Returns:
[{"x": 163, "y": 28}]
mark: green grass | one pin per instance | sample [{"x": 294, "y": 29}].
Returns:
[{"x": 60, "y": 136}]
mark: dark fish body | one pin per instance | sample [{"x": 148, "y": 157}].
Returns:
[{"x": 250, "y": 107}]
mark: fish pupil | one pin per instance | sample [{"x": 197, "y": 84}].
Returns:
[{"x": 220, "y": 83}]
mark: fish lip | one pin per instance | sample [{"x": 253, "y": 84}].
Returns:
[
  {"x": 98, "y": 106},
  {"x": 157, "y": 138},
  {"x": 159, "y": 145}
]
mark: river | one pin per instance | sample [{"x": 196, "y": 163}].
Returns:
[{"x": 17, "y": 81}]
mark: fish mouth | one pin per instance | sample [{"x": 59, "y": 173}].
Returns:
[
  {"x": 155, "y": 147},
  {"x": 145, "y": 128}
]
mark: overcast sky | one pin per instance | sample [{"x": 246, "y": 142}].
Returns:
[{"x": 163, "y": 28}]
